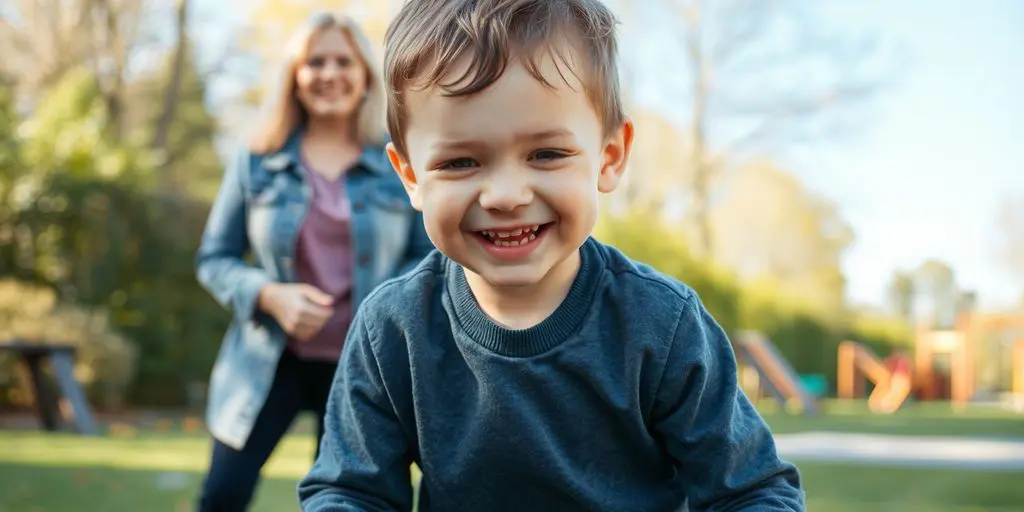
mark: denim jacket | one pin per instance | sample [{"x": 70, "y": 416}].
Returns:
[{"x": 249, "y": 241}]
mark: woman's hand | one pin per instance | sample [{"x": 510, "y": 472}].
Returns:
[{"x": 300, "y": 309}]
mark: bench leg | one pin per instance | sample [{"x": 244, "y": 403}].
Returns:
[
  {"x": 46, "y": 403},
  {"x": 72, "y": 391}
]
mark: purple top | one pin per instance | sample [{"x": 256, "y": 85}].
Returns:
[{"x": 323, "y": 258}]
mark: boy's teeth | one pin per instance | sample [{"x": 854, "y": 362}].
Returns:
[
  {"x": 515, "y": 243},
  {"x": 520, "y": 236},
  {"x": 506, "y": 234}
]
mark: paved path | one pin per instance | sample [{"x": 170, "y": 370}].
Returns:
[{"x": 907, "y": 451}]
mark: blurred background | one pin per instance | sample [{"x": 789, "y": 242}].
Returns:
[{"x": 841, "y": 181}]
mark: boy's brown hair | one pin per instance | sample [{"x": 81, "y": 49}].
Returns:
[{"x": 428, "y": 37}]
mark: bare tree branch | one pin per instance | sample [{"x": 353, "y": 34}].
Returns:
[
  {"x": 749, "y": 86},
  {"x": 173, "y": 87}
]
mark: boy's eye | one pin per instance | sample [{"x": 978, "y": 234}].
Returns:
[
  {"x": 458, "y": 163},
  {"x": 549, "y": 154}
]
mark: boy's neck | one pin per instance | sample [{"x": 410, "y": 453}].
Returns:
[{"x": 522, "y": 307}]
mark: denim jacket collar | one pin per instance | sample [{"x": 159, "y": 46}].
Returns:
[{"x": 372, "y": 158}]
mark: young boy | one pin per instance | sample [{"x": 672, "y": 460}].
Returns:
[{"x": 524, "y": 365}]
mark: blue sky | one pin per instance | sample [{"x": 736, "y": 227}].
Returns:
[{"x": 942, "y": 148}]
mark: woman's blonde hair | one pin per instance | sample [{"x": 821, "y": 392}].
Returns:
[{"x": 282, "y": 111}]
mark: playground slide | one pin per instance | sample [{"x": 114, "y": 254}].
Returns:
[
  {"x": 891, "y": 378},
  {"x": 777, "y": 375}
]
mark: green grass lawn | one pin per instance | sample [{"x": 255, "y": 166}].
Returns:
[
  {"x": 161, "y": 471},
  {"x": 923, "y": 419}
]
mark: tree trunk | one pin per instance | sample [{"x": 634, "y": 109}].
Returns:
[{"x": 173, "y": 89}]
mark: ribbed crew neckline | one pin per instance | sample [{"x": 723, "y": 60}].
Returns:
[{"x": 542, "y": 337}]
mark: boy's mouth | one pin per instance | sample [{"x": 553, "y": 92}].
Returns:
[{"x": 513, "y": 237}]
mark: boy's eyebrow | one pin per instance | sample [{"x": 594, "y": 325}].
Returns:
[{"x": 443, "y": 145}]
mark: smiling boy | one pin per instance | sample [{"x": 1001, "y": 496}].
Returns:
[{"x": 524, "y": 365}]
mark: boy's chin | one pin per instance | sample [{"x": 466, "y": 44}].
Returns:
[{"x": 507, "y": 277}]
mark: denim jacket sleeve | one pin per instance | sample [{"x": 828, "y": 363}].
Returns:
[
  {"x": 220, "y": 267},
  {"x": 418, "y": 247}
]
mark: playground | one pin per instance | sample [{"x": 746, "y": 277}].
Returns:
[{"x": 980, "y": 360}]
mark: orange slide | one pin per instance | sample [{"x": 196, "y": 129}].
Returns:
[
  {"x": 778, "y": 377},
  {"x": 892, "y": 378}
]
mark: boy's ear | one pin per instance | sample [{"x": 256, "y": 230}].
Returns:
[
  {"x": 615, "y": 157},
  {"x": 405, "y": 173}
]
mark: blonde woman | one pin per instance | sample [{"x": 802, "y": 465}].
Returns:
[{"x": 308, "y": 220}]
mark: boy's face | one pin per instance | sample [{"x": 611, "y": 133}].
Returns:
[{"x": 508, "y": 179}]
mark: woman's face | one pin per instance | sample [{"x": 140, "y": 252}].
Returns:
[{"x": 332, "y": 80}]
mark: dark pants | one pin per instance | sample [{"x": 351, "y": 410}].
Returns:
[{"x": 233, "y": 475}]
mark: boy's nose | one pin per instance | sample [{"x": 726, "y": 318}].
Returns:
[{"x": 506, "y": 192}]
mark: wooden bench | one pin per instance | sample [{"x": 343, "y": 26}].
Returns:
[{"x": 47, "y": 399}]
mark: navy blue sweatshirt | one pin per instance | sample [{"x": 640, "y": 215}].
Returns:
[{"x": 624, "y": 399}]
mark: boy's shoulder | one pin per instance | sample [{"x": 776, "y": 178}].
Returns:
[
  {"x": 642, "y": 285},
  {"x": 409, "y": 293}
]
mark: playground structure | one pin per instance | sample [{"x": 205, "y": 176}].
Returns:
[
  {"x": 1014, "y": 324},
  {"x": 772, "y": 373},
  {"x": 894, "y": 381},
  {"x": 891, "y": 377}
]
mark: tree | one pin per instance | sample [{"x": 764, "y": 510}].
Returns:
[
  {"x": 770, "y": 226},
  {"x": 1011, "y": 235},
  {"x": 11, "y": 169},
  {"x": 938, "y": 296},
  {"x": 172, "y": 89},
  {"x": 160, "y": 106},
  {"x": 49, "y": 38},
  {"x": 901, "y": 295},
  {"x": 757, "y": 78},
  {"x": 654, "y": 157},
  {"x": 187, "y": 159},
  {"x": 89, "y": 223}
]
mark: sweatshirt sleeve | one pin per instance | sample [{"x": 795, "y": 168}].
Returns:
[
  {"x": 364, "y": 457},
  {"x": 721, "y": 445}
]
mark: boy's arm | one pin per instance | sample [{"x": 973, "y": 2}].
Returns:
[
  {"x": 722, "y": 447},
  {"x": 364, "y": 462}
]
